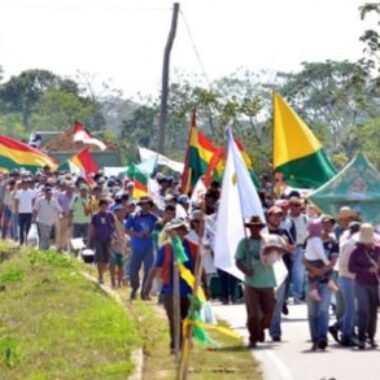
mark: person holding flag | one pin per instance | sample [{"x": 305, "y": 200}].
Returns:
[{"x": 177, "y": 229}]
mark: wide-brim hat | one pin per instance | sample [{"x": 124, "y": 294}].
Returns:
[
  {"x": 366, "y": 234},
  {"x": 176, "y": 223},
  {"x": 255, "y": 221},
  {"x": 295, "y": 201},
  {"x": 145, "y": 200},
  {"x": 272, "y": 241},
  {"x": 346, "y": 212}
]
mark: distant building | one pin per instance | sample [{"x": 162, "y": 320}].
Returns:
[{"x": 60, "y": 145}]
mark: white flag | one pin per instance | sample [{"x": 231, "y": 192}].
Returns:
[
  {"x": 161, "y": 160},
  {"x": 239, "y": 201}
]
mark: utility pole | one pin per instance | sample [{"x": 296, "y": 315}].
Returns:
[{"x": 165, "y": 80}]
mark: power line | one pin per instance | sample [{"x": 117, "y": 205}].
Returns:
[
  {"x": 73, "y": 7},
  {"x": 195, "y": 49}
]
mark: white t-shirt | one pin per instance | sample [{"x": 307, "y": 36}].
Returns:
[
  {"x": 25, "y": 198},
  {"x": 315, "y": 250}
]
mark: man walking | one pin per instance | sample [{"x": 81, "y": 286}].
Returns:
[
  {"x": 301, "y": 222},
  {"x": 64, "y": 223},
  {"x": 164, "y": 264},
  {"x": 139, "y": 227},
  {"x": 24, "y": 200},
  {"x": 46, "y": 212},
  {"x": 259, "y": 282},
  {"x": 80, "y": 211}
]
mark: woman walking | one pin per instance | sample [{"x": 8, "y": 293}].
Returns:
[{"x": 364, "y": 263}]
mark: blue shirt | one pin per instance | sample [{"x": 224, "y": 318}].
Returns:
[
  {"x": 139, "y": 222},
  {"x": 167, "y": 289}
]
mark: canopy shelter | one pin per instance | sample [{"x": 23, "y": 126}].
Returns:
[{"x": 356, "y": 186}]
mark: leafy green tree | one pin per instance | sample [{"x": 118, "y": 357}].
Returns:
[
  {"x": 371, "y": 37},
  {"x": 21, "y": 93},
  {"x": 333, "y": 95},
  {"x": 58, "y": 109}
]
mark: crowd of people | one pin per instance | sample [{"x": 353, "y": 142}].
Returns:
[{"x": 332, "y": 262}]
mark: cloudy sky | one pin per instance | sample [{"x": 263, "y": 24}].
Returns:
[{"x": 124, "y": 39}]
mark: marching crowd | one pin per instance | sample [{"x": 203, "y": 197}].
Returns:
[{"x": 332, "y": 262}]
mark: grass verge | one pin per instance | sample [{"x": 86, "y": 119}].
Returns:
[
  {"x": 54, "y": 324},
  {"x": 231, "y": 361}
]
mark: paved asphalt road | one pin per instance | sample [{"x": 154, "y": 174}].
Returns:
[{"x": 292, "y": 358}]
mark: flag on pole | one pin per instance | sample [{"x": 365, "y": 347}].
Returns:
[
  {"x": 199, "y": 153},
  {"x": 239, "y": 202},
  {"x": 297, "y": 153},
  {"x": 218, "y": 162},
  {"x": 85, "y": 137},
  {"x": 81, "y": 164},
  {"x": 140, "y": 180},
  {"x": 146, "y": 154},
  {"x": 15, "y": 154}
]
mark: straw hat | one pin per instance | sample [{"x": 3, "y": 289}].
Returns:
[
  {"x": 176, "y": 223},
  {"x": 255, "y": 221},
  {"x": 272, "y": 241},
  {"x": 366, "y": 234},
  {"x": 296, "y": 201}
]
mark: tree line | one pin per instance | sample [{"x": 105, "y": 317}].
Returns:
[{"x": 339, "y": 100}]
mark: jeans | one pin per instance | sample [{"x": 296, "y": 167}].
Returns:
[
  {"x": 227, "y": 286},
  {"x": 24, "y": 222},
  {"x": 14, "y": 226},
  {"x": 347, "y": 322},
  {"x": 318, "y": 314},
  {"x": 298, "y": 273},
  {"x": 7, "y": 216},
  {"x": 140, "y": 257},
  {"x": 44, "y": 232},
  {"x": 275, "y": 326},
  {"x": 367, "y": 298}
]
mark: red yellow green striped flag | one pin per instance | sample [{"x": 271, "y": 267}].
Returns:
[
  {"x": 140, "y": 180},
  {"x": 297, "y": 153},
  {"x": 15, "y": 154},
  {"x": 199, "y": 154}
]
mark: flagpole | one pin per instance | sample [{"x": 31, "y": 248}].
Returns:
[
  {"x": 187, "y": 341},
  {"x": 177, "y": 314},
  {"x": 186, "y": 175}
]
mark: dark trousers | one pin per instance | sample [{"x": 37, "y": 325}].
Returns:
[
  {"x": 260, "y": 305},
  {"x": 24, "y": 222},
  {"x": 7, "y": 215},
  {"x": 139, "y": 258},
  {"x": 367, "y": 302},
  {"x": 227, "y": 286},
  {"x": 184, "y": 303}
]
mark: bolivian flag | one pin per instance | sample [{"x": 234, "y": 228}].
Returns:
[
  {"x": 297, "y": 153},
  {"x": 140, "y": 180},
  {"x": 199, "y": 154},
  {"x": 81, "y": 164},
  {"x": 15, "y": 154}
]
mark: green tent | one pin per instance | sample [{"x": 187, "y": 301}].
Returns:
[{"x": 356, "y": 186}]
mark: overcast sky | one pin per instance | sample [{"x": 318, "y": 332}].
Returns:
[{"x": 124, "y": 39}]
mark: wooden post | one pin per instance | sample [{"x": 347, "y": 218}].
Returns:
[
  {"x": 177, "y": 315},
  {"x": 187, "y": 339},
  {"x": 165, "y": 81}
]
